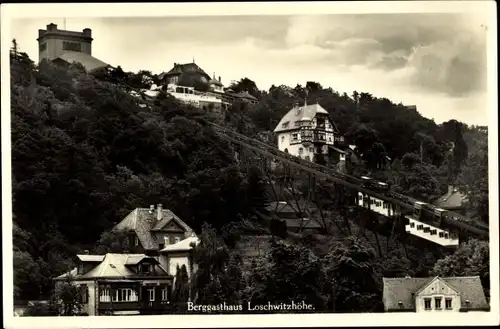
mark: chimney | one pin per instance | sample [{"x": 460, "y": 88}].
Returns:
[
  {"x": 86, "y": 252},
  {"x": 52, "y": 27},
  {"x": 219, "y": 79},
  {"x": 159, "y": 211},
  {"x": 87, "y": 32},
  {"x": 40, "y": 32}
]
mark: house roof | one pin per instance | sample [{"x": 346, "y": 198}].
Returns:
[
  {"x": 183, "y": 245},
  {"x": 283, "y": 207},
  {"x": 215, "y": 82},
  {"x": 144, "y": 223},
  {"x": 245, "y": 94},
  {"x": 401, "y": 289},
  {"x": 337, "y": 149},
  {"x": 90, "y": 63},
  {"x": 297, "y": 114},
  {"x": 452, "y": 199},
  {"x": 115, "y": 265},
  {"x": 301, "y": 222},
  {"x": 90, "y": 258},
  {"x": 179, "y": 69}
]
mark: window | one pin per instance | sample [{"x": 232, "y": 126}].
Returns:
[
  {"x": 151, "y": 293},
  {"x": 297, "y": 123},
  {"x": 166, "y": 240},
  {"x": 177, "y": 239},
  {"x": 441, "y": 234},
  {"x": 427, "y": 303},
  {"x": 433, "y": 232},
  {"x": 412, "y": 225},
  {"x": 282, "y": 138},
  {"x": 162, "y": 245},
  {"x": 125, "y": 295},
  {"x": 72, "y": 46},
  {"x": 43, "y": 46},
  {"x": 295, "y": 137},
  {"x": 136, "y": 241},
  {"x": 145, "y": 268},
  {"x": 164, "y": 294},
  {"x": 83, "y": 294},
  {"x": 419, "y": 227},
  {"x": 446, "y": 235},
  {"x": 301, "y": 150},
  {"x": 448, "y": 304},
  {"x": 311, "y": 149},
  {"x": 437, "y": 302},
  {"x": 104, "y": 295},
  {"x": 284, "y": 125},
  {"x": 360, "y": 198}
]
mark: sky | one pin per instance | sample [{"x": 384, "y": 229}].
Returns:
[{"x": 434, "y": 61}]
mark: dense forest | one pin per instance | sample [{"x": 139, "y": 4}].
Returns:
[{"x": 84, "y": 154}]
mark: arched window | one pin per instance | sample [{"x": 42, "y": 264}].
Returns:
[
  {"x": 301, "y": 150},
  {"x": 286, "y": 151}
]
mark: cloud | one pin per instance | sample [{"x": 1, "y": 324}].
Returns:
[{"x": 443, "y": 53}]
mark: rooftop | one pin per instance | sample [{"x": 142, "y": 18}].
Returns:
[
  {"x": 183, "y": 245},
  {"x": 404, "y": 290},
  {"x": 298, "y": 114},
  {"x": 144, "y": 222},
  {"x": 90, "y": 63},
  {"x": 115, "y": 266}
]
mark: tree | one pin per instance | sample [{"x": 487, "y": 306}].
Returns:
[
  {"x": 288, "y": 273},
  {"x": 180, "y": 295},
  {"x": 68, "y": 297},
  {"x": 469, "y": 259},
  {"x": 351, "y": 269},
  {"x": 114, "y": 242},
  {"x": 473, "y": 180},
  {"x": 218, "y": 276}
]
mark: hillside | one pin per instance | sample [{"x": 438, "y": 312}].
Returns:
[{"x": 84, "y": 154}]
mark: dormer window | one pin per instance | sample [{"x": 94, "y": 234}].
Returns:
[
  {"x": 177, "y": 239},
  {"x": 146, "y": 268},
  {"x": 284, "y": 125},
  {"x": 437, "y": 302}
]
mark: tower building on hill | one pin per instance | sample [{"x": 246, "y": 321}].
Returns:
[{"x": 65, "y": 47}]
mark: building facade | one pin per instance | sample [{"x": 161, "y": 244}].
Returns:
[
  {"x": 65, "y": 47},
  {"x": 307, "y": 132},
  {"x": 154, "y": 228},
  {"x": 120, "y": 284},
  {"x": 426, "y": 295}
]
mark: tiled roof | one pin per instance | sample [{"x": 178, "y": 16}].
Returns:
[
  {"x": 401, "y": 289},
  {"x": 183, "y": 68},
  {"x": 301, "y": 223},
  {"x": 294, "y": 115},
  {"x": 90, "y": 63},
  {"x": 90, "y": 258},
  {"x": 245, "y": 94},
  {"x": 116, "y": 266},
  {"x": 337, "y": 149},
  {"x": 183, "y": 245},
  {"x": 143, "y": 223}
]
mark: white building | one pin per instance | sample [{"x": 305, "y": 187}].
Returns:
[
  {"x": 429, "y": 295},
  {"x": 306, "y": 132}
]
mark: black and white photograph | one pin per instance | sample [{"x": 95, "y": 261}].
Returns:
[{"x": 211, "y": 164}]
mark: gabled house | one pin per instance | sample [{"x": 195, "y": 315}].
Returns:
[
  {"x": 179, "y": 254},
  {"x": 179, "y": 72},
  {"x": 451, "y": 294},
  {"x": 296, "y": 221},
  {"x": 307, "y": 132},
  {"x": 120, "y": 284},
  {"x": 152, "y": 229}
]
